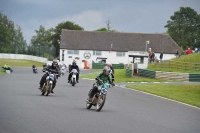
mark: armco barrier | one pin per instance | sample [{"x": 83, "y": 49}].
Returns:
[
  {"x": 174, "y": 76},
  {"x": 194, "y": 77},
  {"x": 147, "y": 73},
  {"x": 98, "y": 65},
  {"x": 101, "y": 66}
]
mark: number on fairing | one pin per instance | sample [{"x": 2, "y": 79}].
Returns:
[
  {"x": 51, "y": 76},
  {"x": 104, "y": 90}
]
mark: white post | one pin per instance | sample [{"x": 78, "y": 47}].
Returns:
[{"x": 147, "y": 42}]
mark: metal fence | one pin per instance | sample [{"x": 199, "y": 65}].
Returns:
[{"x": 42, "y": 51}]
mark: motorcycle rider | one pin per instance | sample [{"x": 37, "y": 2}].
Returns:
[
  {"x": 53, "y": 68},
  {"x": 104, "y": 76},
  {"x": 73, "y": 66},
  {"x": 6, "y": 67},
  {"x": 111, "y": 68},
  {"x": 34, "y": 68},
  {"x": 113, "y": 71}
]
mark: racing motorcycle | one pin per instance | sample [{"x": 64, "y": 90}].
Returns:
[
  {"x": 47, "y": 87},
  {"x": 73, "y": 78},
  {"x": 112, "y": 76},
  {"x": 99, "y": 97},
  {"x": 63, "y": 70},
  {"x": 35, "y": 70}
]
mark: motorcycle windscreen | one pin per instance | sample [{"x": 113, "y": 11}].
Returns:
[
  {"x": 74, "y": 71},
  {"x": 106, "y": 85}
]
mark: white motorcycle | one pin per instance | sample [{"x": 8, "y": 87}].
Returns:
[
  {"x": 73, "y": 78},
  {"x": 63, "y": 70},
  {"x": 112, "y": 76}
]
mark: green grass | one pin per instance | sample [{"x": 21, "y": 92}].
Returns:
[
  {"x": 189, "y": 94},
  {"x": 172, "y": 70},
  {"x": 120, "y": 76},
  {"x": 190, "y": 59},
  {"x": 2, "y": 72},
  {"x": 21, "y": 63}
]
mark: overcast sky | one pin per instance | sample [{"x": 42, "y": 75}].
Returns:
[{"x": 138, "y": 16}]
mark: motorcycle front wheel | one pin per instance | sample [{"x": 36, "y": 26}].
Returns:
[
  {"x": 44, "y": 89},
  {"x": 49, "y": 90},
  {"x": 73, "y": 82},
  {"x": 100, "y": 103}
]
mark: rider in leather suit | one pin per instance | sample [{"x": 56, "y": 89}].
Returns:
[
  {"x": 53, "y": 68},
  {"x": 73, "y": 66},
  {"x": 104, "y": 76}
]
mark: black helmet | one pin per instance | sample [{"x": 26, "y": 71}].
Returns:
[{"x": 54, "y": 63}]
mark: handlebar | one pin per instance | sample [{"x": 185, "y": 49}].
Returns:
[{"x": 103, "y": 82}]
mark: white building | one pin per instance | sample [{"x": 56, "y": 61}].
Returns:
[{"x": 113, "y": 47}]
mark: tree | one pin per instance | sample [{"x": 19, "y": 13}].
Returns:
[
  {"x": 102, "y": 29},
  {"x": 108, "y": 29},
  {"x": 20, "y": 43},
  {"x": 7, "y": 34},
  {"x": 184, "y": 27},
  {"x": 56, "y": 38},
  {"x": 11, "y": 39},
  {"x": 108, "y": 22},
  {"x": 41, "y": 42}
]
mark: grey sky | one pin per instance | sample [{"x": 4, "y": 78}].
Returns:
[{"x": 142, "y": 16}]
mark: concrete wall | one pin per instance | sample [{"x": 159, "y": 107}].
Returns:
[{"x": 22, "y": 56}]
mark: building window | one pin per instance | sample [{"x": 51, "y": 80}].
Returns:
[
  {"x": 120, "y": 54},
  {"x": 97, "y": 53},
  {"x": 72, "y": 51}
]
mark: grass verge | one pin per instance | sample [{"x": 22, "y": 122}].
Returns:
[
  {"x": 172, "y": 70},
  {"x": 189, "y": 94},
  {"x": 184, "y": 64},
  {"x": 2, "y": 72},
  {"x": 20, "y": 63},
  {"x": 120, "y": 76}
]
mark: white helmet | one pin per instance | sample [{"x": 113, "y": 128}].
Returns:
[{"x": 106, "y": 70}]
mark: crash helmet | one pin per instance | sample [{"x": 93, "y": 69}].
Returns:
[
  {"x": 54, "y": 63},
  {"x": 74, "y": 62},
  {"x": 106, "y": 70},
  {"x": 109, "y": 65}
]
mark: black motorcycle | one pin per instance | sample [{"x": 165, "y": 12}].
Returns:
[{"x": 9, "y": 68}]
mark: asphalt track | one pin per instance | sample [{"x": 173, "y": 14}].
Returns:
[{"x": 24, "y": 110}]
